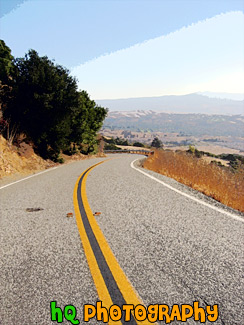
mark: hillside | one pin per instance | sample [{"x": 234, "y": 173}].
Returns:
[
  {"x": 191, "y": 103},
  {"x": 188, "y": 124},
  {"x": 21, "y": 160}
]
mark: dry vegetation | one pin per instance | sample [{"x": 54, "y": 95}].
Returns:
[
  {"x": 220, "y": 183},
  {"x": 20, "y": 160}
]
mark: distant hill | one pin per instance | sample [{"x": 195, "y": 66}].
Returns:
[
  {"x": 192, "y": 103},
  {"x": 187, "y": 124},
  {"x": 233, "y": 96}
]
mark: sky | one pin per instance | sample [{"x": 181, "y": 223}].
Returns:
[{"x": 134, "y": 48}]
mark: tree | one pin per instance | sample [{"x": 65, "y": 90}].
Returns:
[
  {"x": 6, "y": 63},
  {"x": 44, "y": 98},
  {"x": 7, "y": 72},
  {"x": 156, "y": 143},
  {"x": 48, "y": 109},
  {"x": 87, "y": 119}
]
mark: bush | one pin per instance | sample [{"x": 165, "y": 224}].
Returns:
[
  {"x": 111, "y": 146},
  {"x": 138, "y": 144}
]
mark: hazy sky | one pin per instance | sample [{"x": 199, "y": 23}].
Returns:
[{"x": 120, "y": 48}]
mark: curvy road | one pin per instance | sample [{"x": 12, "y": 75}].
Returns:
[{"x": 140, "y": 248}]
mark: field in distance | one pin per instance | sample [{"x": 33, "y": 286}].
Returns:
[
  {"x": 178, "y": 141},
  {"x": 175, "y": 129}
]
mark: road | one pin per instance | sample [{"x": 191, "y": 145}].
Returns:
[{"x": 172, "y": 249}]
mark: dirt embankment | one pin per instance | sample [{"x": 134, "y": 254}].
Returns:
[{"x": 21, "y": 160}]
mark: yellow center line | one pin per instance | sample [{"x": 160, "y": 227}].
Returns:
[
  {"x": 94, "y": 269},
  {"x": 129, "y": 293}
]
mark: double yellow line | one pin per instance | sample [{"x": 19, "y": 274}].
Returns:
[{"x": 106, "y": 272}]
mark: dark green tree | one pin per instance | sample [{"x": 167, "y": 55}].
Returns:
[
  {"x": 86, "y": 122},
  {"x": 46, "y": 106},
  {"x": 7, "y": 73},
  {"x": 6, "y": 63},
  {"x": 44, "y": 98},
  {"x": 156, "y": 143}
]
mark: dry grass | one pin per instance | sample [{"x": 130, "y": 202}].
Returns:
[
  {"x": 220, "y": 183},
  {"x": 21, "y": 160}
]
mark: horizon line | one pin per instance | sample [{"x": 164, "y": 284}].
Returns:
[{"x": 201, "y": 93}]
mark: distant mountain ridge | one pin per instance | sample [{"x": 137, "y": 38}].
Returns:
[
  {"x": 232, "y": 96},
  {"x": 191, "y": 103},
  {"x": 190, "y": 124}
]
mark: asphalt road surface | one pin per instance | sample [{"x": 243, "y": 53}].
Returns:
[{"x": 174, "y": 248}]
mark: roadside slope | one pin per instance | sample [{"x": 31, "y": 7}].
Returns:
[{"x": 22, "y": 161}]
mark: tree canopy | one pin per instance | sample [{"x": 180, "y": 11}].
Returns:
[
  {"x": 156, "y": 143},
  {"x": 48, "y": 108},
  {"x": 6, "y": 62},
  {"x": 7, "y": 71}
]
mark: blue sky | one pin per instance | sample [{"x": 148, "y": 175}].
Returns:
[{"x": 120, "y": 49}]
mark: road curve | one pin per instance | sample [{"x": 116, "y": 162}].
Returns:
[{"x": 172, "y": 249}]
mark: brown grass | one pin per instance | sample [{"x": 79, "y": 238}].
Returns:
[
  {"x": 220, "y": 183},
  {"x": 20, "y": 160}
]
